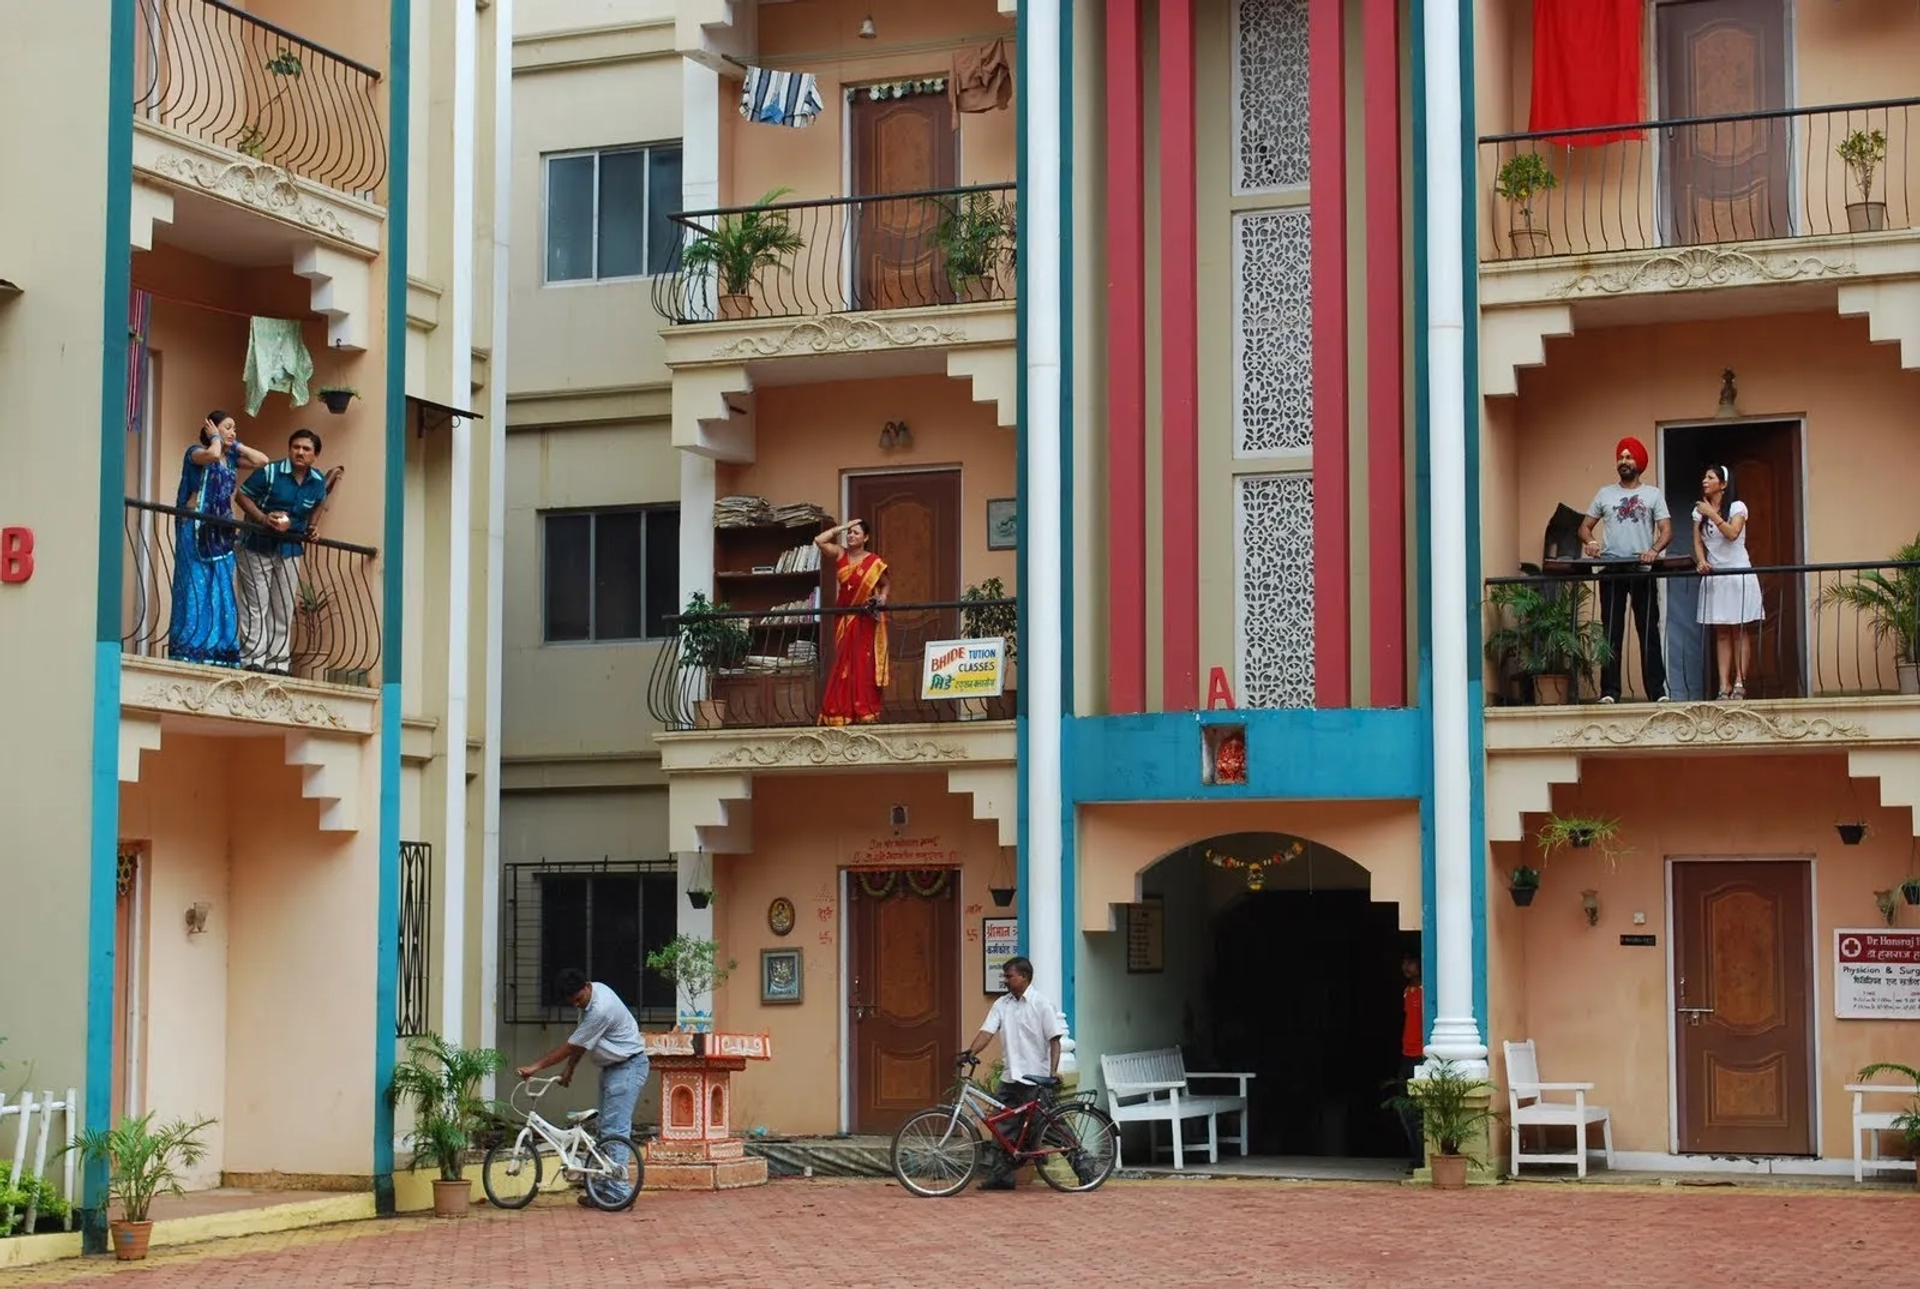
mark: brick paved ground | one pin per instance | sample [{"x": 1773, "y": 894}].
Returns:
[{"x": 868, "y": 1235}]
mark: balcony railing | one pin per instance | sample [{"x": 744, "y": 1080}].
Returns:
[
  {"x": 1701, "y": 180},
  {"x": 801, "y": 259},
  {"x": 207, "y": 69},
  {"x": 1826, "y": 630},
  {"x": 335, "y": 611},
  {"x": 790, "y": 658}
]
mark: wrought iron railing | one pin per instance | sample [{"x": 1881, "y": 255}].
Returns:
[
  {"x": 210, "y": 70},
  {"x": 335, "y": 613},
  {"x": 1825, "y": 630},
  {"x": 789, "y": 659},
  {"x": 841, "y": 255},
  {"x": 1701, "y": 180},
  {"x": 411, "y": 1017}
]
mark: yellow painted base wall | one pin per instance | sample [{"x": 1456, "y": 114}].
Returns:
[{"x": 1598, "y": 1010}]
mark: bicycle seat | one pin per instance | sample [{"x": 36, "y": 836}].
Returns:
[
  {"x": 580, "y": 1116},
  {"x": 1044, "y": 1081}
]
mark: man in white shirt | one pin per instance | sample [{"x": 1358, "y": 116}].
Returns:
[
  {"x": 608, "y": 1036},
  {"x": 1030, "y": 1030}
]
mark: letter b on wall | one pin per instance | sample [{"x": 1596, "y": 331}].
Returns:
[{"x": 16, "y": 554}]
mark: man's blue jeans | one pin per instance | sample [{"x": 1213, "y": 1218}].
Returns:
[{"x": 619, "y": 1092}]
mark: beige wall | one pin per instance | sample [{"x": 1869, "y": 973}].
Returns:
[
  {"x": 804, "y": 830},
  {"x": 550, "y": 16},
  {"x": 1598, "y": 1010}
]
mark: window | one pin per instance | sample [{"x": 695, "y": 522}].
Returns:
[
  {"x": 600, "y": 917},
  {"x": 609, "y": 212},
  {"x": 611, "y": 574}
]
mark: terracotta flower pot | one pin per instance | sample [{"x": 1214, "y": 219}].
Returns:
[
  {"x": 734, "y": 307},
  {"x": 1449, "y": 1172},
  {"x": 130, "y": 1239},
  {"x": 452, "y": 1199}
]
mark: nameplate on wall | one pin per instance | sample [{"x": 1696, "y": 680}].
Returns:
[
  {"x": 1146, "y": 937},
  {"x": 1638, "y": 941}
]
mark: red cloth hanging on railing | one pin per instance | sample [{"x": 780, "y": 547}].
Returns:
[{"x": 1586, "y": 68}]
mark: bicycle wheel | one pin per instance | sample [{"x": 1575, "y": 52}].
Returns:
[
  {"x": 505, "y": 1171},
  {"x": 1079, "y": 1143},
  {"x": 602, "y": 1189},
  {"x": 936, "y": 1154}
]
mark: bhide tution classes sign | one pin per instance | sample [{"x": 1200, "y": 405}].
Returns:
[{"x": 964, "y": 668}]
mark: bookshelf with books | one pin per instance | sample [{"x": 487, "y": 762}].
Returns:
[{"x": 765, "y": 562}]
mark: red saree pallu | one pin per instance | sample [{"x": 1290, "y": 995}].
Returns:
[{"x": 859, "y": 679}]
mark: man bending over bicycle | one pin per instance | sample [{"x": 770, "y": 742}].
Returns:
[
  {"x": 1030, "y": 1030},
  {"x": 609, "y": 1037}
]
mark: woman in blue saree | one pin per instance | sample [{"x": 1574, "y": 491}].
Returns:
[{"x": 205, "y": 626}]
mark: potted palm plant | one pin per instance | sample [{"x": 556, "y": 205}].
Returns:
[
  {"x": 1891, "y": 601},
  {"x": 693, "y": 965},
  {"x": 1546, "y": 637},
  {"x": 972, "y": 237},
  {"x": 1455, "y": 1109},
  {"x": 710, "y": 643},
  {"x": 1863, "y": 151},
  {"x": 440, "y": 1082},
  {"x": 737, "y": 247},
  {"x": 988, "y": 611},
  {"x": 141, "y": 1162},
  {"x": 1524, "y": 177}
]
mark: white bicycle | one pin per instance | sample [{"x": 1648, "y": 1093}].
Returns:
[{"x": 578, "y": 1153}]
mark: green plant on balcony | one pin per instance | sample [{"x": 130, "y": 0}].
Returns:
[
  {"x": 738, "y": 246},
  {"x": 1521, "y": 180},
  {"x": 1546, "y": 636},
  {"x": 986, "y": 612},
  {"x": 251, "y": 139},
  {"x": 1891, "y": 601},
  {"x": 1863, "y": 151},
  {"x": 972, "y": 237},
  {"x": 710, "y": 643}
]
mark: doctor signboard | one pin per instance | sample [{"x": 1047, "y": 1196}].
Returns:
[
  {"x": 964, "y": 668},
  {"x": 1876, "y": 975}
]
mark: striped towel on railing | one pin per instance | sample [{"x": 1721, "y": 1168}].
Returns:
[{"x": 780, "y": 98}]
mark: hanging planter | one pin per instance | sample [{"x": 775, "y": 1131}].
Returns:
[
  {"x": 336, "y": 397},
  {"x": 1910, "y": 890},
  {"x": 1523, "y": 885},
  {"x": 1004, "y": 883},
  {"x": 699, "y": 898},
  {"x": 1851, "y": 834},
  {"x": 1003, "y": 896}
]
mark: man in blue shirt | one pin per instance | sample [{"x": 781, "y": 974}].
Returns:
[{"x": 282, "y": 496}]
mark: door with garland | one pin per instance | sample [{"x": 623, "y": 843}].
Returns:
[{"x": 903, "y": 942}]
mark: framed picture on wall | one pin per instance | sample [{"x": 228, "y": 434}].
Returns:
[
  {"x": 999, "y": 940},
  {"x": 1003, "y": 524},
  {"x": 780, "y": 976}
]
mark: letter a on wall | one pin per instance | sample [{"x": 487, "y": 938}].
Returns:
[{"x": 1219, "y": 693}]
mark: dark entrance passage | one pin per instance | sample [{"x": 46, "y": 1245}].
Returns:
[{"x": 1305, "y": 987}]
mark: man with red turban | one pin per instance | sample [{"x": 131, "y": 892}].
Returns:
[{"x": 1637, "y": 525}]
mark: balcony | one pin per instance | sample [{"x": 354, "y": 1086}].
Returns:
[
  {"x": 1801, "y": 173},
  {"x": 777, "y": 682}
]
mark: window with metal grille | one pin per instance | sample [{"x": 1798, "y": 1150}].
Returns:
[
  {"x": 603, "y": 917},
  {"x": 416, "y": 918}
]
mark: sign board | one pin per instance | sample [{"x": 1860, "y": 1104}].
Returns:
[
  {"x": 904, "y": 852},
  {"x": 999, "y": 940},
  {"x": 1876, "y": 974},
  {"x": 1147, "y": 937},
  {"x": 964, "y": 668}
]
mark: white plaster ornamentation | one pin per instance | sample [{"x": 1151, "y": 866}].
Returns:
[
  {"x": 253, "y": 183},
  {"x": 841, "y": 334},
  {"x": 246, "y": 697},
  {"x": 1694, "y": 724},
  {"x": 835, "y": 746},
  {"x": 1700, "y": 266}
]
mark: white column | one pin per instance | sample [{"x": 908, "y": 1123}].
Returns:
[
  {"x": 502, "y": 124},
  {"x": 1456, "y": 1035},
  {"x": 697, "y": 923},
  {"x": 699, "y": 150},
  {"x": 1041, "y": 594},
  {"x": 458, "y": 305}
]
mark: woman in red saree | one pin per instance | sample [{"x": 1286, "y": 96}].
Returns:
[{"x": 859, "y": 681}]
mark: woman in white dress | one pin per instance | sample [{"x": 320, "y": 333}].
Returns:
[{"x": 1728, "y": 601}]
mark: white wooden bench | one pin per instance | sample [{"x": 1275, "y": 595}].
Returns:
[
  {"x": 1154, "y": 1087},
  {"x": 1872, "y": 1123}
]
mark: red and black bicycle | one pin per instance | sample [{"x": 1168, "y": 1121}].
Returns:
[{"x": 1071, "y": 1143}]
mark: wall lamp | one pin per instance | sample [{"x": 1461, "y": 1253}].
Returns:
[
  {"x": 895, "y": 434},
  {"x": 1590, "y": 903},
  {"x": 197, "y": 918}
]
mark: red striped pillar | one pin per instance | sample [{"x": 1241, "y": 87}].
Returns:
[
  {"x": 1126, "y": 365},
  {"x": 1179, "y": 364},
  {"x": 1327, "y": 162},
  {"x": 1386, "y": 457}
]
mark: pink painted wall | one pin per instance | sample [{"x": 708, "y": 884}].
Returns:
[
  {"x": 1598, "y": 1010},
  {"x": 805, "y": 827},
  {"x": 809, "y": 436}
]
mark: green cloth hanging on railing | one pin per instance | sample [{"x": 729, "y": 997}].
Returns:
[{"x": 277, "y": 358}]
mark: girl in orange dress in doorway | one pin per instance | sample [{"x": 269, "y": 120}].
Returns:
[{"x": 859, "y": 680}]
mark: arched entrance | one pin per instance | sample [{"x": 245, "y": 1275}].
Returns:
[{"x": 1283, "y": 965}]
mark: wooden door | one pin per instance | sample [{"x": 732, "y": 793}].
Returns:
[
  {"x": 901, "y": 145},
  {"x": 913, "y": 523},
  {"x": 1725, "y": 181},
  {"x": 904, "y": 1000},
  {"x": 1743, "y": 964}
]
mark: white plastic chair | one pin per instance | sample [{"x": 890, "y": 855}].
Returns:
[{"x": 1527, "y": 1107}]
